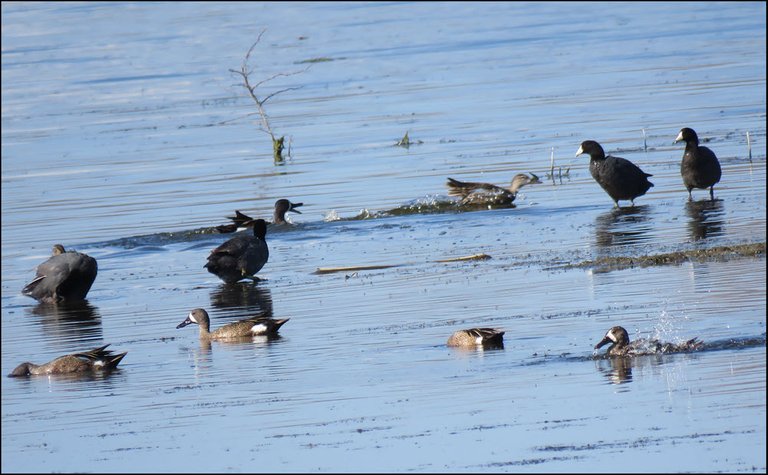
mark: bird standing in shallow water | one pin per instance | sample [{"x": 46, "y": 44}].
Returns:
[
  {"x": 98, "y": 359},
  {"x": 65, "y": 276},
  {"x": 243, "y": 328},
  {"x": 700, "y": 167},
  {"x": 620, "y": 178},
  {"x": 621, "y": 346},
  {"x": 475, "y": 193},
  {"x": 242, "y": 256}
]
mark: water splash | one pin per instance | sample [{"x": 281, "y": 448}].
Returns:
[{"x": 331, "y": 216}]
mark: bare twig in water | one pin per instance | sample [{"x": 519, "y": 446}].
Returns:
[
  {"x": 473, "y": 257},
  {"x": 245, "y": 72},
  {"x": 355, "y": 269},
  {"x": 749, "y": 146},
  {"x": 552, "y": 163},
  {"x": 331, "y": 270},
  {"x": 560, "y": 173}
]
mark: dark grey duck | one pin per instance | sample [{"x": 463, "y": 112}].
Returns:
[
  {"x": 700, "y": 167},
  {"x": 65, "y": 276},
  {"x": 620, "y": 178},
  {"x": 242, "y": 256}
]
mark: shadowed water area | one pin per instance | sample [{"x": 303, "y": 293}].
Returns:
[{"x": 125, "y": 136}]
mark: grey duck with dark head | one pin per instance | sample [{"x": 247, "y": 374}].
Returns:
[
  {"x": 700, "y": 167},
  {"x": 620, "y": 178}
]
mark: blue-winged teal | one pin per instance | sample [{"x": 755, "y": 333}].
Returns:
[
  {"x": 98, "y": 359},
  {"x": 65, "y": 276},
  {"x": 242, "y": 256},
  {"x": 473, "y": 337},
  {"x": 243, "y": 328},
  {"x": 620, "y": 178},
  {"x": 475, "y": 193},
  {"x": 700, "y": 167},
  {"x": 621, "y": 346},
  {"x": 241, "y": 220}
]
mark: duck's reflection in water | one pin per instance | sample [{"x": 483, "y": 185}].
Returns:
[
  {"x": 622, "y": 226},
  {"x": 67, "y": 322},
  {"x": 247, "y": 297},
  {"x": 706, "y": 218},
  {"x": 618, "y": 370}
]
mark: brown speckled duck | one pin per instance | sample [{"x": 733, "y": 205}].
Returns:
[
  {"x": 95, "y": 360},
  {"x": 474, "y": 337},
  {"x": 621, "y": 346},
  {"x": 241, "y": 329},
  {"x": 476, "y": 193}
]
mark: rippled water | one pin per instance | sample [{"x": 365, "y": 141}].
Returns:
[{"x": 125, "y": 136}]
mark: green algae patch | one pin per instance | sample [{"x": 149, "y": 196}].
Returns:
[{"x": 719, "y": 253}]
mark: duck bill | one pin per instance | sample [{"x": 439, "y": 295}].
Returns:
[
  {"x": 603, "y": 342},
  {"x": 294, "y": 206},
  {"x": 184, "y": 323},
  {"x": 679, "y": 137},
  {"x": 579, "y": 151}
]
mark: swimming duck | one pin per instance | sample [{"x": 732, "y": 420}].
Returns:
[
  {"x": 620, "y": 178},
  {"x": 243, "y": 328},
  {"x": 472, "y": 337},
  {"x": 621, "y": 346},
  {"x": 65, "y": 276},
  {"x": 700, "y": 167},
  {"x": 242, "y": 256},
  {"x": 241, "y": 220},
  {"x": 98, "y": 359},
  {"x": 474, "y": 193}
]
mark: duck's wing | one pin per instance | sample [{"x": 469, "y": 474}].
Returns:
[
  {"x": 626, "y": 168},
  {"x": 486, "y": 335},
  {"x": 240, "y": 218},
  {"x": 29, "y": 289},
  {"x": 94, "y": 354},
  {"x": 236, "y": 246},
  {"x": 465, "y": 188},
  {"x": 226, "y": 228}
]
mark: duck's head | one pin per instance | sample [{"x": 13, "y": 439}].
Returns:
[
  {"x": 687, "y": 134},
  {"x": 197, "y": 316},
  {"x": 283, "y": 206},
  {"x": 521, "y": 179},
  {"x": 591, "y": 148},
  {"x": 616, "y": 335}
]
